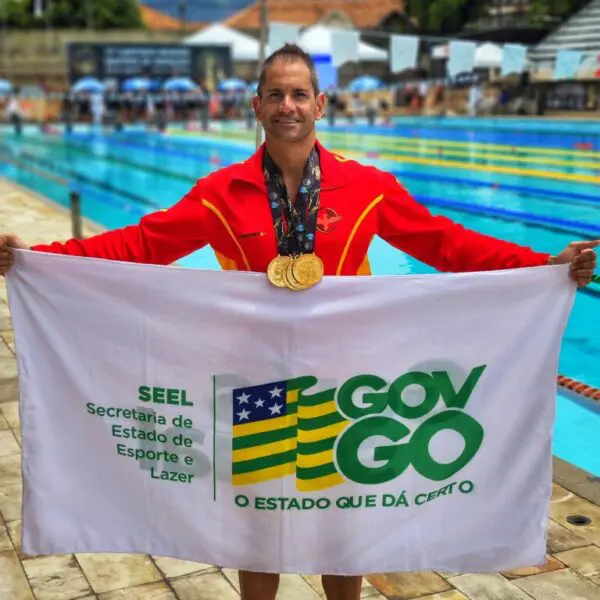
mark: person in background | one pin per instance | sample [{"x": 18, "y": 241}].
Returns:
[
  {"x": 98, "y": 109},
  {"x": 14, "y": 113},
  {"x": 332, "y": 105}
]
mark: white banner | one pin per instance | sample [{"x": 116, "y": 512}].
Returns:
[
  {"x": 514, "y": 59},
  {"x": 281, "y": 34},
  {"x": 567, "y": 63},
  {"x": 404, "y": 52},
  {"x": 344, "y": 47},
  {"x": 371, "y": 424},
  {"x": 462, "y": 58}
]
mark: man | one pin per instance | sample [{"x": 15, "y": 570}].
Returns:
[{"x": 293, "y": 197}]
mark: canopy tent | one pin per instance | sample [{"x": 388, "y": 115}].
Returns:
[
  {"x": 487, "y": 56},
  {"x": 89, "y": 85},
  {"x": 179, "y": 84},
  {"x": 365, "y": 83},
  {"x": 5, "y": 86},
  {"x": 316, "y": 40},
  {"x": 243, "y": 47}
]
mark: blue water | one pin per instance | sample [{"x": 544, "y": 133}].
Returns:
[{"x": 545, "y": 214}]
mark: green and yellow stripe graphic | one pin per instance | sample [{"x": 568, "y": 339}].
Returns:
[{"x": 300, "y": 443}]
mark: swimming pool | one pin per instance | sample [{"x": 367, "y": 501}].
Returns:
[{"x": 526, "y": 183}]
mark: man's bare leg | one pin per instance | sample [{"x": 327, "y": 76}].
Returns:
[
  {"x": 338, "y": 587},
  {"x": 258, "y": 586}
]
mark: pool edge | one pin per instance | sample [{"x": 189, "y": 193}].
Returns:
[{"x": 576, "y": 480}]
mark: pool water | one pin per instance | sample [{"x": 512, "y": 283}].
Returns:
[{"x": 533, "y": 183}]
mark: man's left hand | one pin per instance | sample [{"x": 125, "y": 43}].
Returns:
[{"x": 582, "y": 258}]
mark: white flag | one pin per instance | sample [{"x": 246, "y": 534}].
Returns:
[
  {"x": 344, "y": 47},
  {"x": 281, "y": 34},
  {"x": 404, "y": 50},
  {"x": 371, "y": 424},
  {"x": 462, "y": 58},
  {"x": 567, "y": 63},
  {"x": 514, "y": 57}
]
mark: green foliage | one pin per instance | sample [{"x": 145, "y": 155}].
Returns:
[
  {"x": 74, "y": 14},
  {"x": 446, "y": 17},
  {"x": 15, "y": 13}
]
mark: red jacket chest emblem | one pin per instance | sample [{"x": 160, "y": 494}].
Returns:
[{"x": 327, "y": 220}]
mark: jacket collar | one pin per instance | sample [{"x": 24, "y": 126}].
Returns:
[{"x": 332, "y": 171}]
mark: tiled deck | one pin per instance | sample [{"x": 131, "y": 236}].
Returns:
[{"x": 572, "y": 571}]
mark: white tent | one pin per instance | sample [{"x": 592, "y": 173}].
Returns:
[
  {"x": 317, "y": 40},
  {"x": 488, "y": 56},
  {"x": 243, "y": 47}
]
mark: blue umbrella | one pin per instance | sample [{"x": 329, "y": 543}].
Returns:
[
  {"x": 88, "y": 84},
  {"x": 136, "y": 84},
  {"x": 233, "y": 84},
  {"x": 5, "y": 86},
  {"x": 180, "y": 84},
  {"x": 366, "y": 83}
]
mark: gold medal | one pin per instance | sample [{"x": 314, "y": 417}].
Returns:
[
  {"x": 308, "y": 270},
  {"x": 276, "y": 271},
  {"x": 291, "y": 282}
]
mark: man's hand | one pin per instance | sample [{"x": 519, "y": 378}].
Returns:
[
  {"x": 582, "y": 258},
  {"x": 8, "y": 241}
]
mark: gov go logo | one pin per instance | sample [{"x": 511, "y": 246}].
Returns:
[{"x": 368, "y": 424}]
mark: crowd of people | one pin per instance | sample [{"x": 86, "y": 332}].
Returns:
[{"x": 117, "y": 109}]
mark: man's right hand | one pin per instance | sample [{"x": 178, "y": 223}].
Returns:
[{"x": 8, "y": 241}]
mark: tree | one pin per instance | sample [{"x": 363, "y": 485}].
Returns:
[
  {"x": 447, "y": 17},
  {"x": 16, "y": 13},
  {"x": 100, "y": 14},
  {"x": 444, "y": 16}
]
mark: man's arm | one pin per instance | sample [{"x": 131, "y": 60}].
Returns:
[
  {"x": 159, "y": 238},
  {"x": 441, "y": 243}
]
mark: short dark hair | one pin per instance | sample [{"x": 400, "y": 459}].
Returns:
[{"x": 289, "y": 52}]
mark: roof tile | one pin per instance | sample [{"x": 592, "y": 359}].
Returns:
[{"x": 365, "y": 14}]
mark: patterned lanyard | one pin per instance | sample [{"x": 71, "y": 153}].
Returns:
[{"x": 295, "y": 223}]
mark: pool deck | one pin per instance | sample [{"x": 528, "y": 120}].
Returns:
[{"x": 572, "y": 569}]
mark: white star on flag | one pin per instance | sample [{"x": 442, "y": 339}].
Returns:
[
  {"x": 276, "y": 392},
  {"x": 243, "y": 399},
  {"x": 276, "y": 409},
  {"x": 259, "y": 403},
  {"x": 245, "y": 414}
]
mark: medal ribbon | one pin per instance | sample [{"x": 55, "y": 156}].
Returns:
[{"x": 295, "y": 223}]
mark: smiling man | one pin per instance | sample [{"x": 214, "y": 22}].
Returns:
[{"x": 293, "y": 198}]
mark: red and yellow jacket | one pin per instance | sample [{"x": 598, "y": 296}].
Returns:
[{"x": 229, "y": 210}]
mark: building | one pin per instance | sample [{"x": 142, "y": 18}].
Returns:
[
  {"x": 506, "y": 21},
  {"x": 580, "y": 32},
  {"x": 159, "y": 21},
  {"x": 351, "y": 14},
  {"x": 185, "y": 12}
]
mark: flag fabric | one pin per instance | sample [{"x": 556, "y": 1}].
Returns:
[
  {"x": 514, "y": 59},
  {"x": 567, "y": 63},
  {"x": 344, "y": 47},
  {"x": 404, "y": 52},
  {"x": 278, "y": 431},
  {"x": 370, "y": 424},
  {"x": 281, "y": 34},
  {"x": 462, "y": 58}
]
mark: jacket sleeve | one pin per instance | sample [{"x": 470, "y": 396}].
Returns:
[
  {"x": 441, "y": 243},
  {"x": 159, "y": 238}
]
